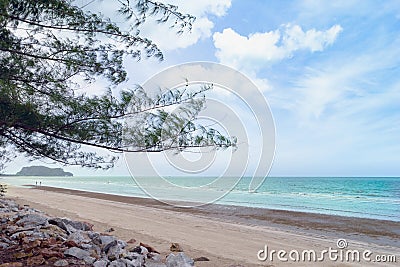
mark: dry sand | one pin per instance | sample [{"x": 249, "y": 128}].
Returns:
[{"x": 226, "y": 235}]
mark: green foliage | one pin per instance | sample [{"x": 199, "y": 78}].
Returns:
[
  {"x": 47, "y": 46},
  {"x": 157, "y": 130}
]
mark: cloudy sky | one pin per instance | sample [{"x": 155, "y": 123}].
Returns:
[{"x": 328, "y": 69}]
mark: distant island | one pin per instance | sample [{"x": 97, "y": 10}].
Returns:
[{"x": 42, "y": 171}]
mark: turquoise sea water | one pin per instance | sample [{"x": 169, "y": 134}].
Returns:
[{"x": 369, "y": 197}]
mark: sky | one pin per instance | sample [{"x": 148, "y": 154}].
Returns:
[{"x": 330, "y": 71}]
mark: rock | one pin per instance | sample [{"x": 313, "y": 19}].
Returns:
[
  {"x": 109, "y": 230},
  {"x": 100, "y": 263},
  {"x": 154, "y": 256},
  {"x": 61, "y": 263},
  {"x": 95, "y": 251},
  {"x": 133, "y": 263},
  {"x": 151, "y": 263},
  {"x": 109, "y": 245},
  {"x": 29, "y": 235},
  {"x": 79, "y": 237},
  {"x": 144, "y": 251},
  {"x": 77, "y": 253},
  {"x": 47, "y": 253},
  {"x": 179, "y": 260},
  {"x": 12, "y": 229},
  {"x": 21, "y": 255},
  {"x": 21, "y": 235},
  {"x": 175, "y": 247},
  {"x": 36, "y": 234},
  {"x": 35, "y": 261},
  {"x": 149, "y": 248},
  {"x": 69, "y": 225},
  {"x": 70, "y": 229},
  {"x": 78, "y": 225},
  {"x": 106, "y": 239},
  {"x": 70, "y": 243},
  {"x": 12, "y": 264},
  {"x": 114, "y": 250},
  {"x": 117, "y": 263},
  {"x": 131, "y": 241},
  {"x": 122, "y": 243},
  {"x": 136, "y": 249},
  {"x": 35, "y": 240},
  {"x": 9, "y": 204},
  {"x": 201, "y": 259},
  {"x": 54, "y": 231},
  {"x": 32, "y": 220},
  {"x": 4, "y": 245},
  {"x": 29, "y": 245},
  {"x": 89, "y": 260},
  {"x": 95, "y": 237},
  {"x": 88, "y": 226},
  {"x": 133, "y": 255},
  {"x": 48, "y": 243},
  {"x": 58, "y": 222},
  {"x": 86, "y": 246}
]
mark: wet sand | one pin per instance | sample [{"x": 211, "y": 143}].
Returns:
[{"x": 227, "y": 235}]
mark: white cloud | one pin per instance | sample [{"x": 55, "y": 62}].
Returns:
[
  {"x": 202, "y": 8},
  {"x": 263, "y": 84},
  {"x": 295, "y": 38},
  {"x": 162, "y": 34},
  {"x": 167, "y": 39},
  {"x": 346, "y": 86},
  {"x": 258, "y": 49},
  {"x": 251, "y": 53},
  {"x": 319, "y": 89}
]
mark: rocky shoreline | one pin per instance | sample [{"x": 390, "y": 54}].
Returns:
[{"x": 31, "y": 238}]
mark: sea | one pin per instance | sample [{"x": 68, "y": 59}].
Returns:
[{"x": 363, "y": 197}]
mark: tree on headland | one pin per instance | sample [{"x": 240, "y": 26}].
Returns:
[{"x": 49, "y": 50}]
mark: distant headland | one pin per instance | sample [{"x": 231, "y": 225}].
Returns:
[{"x": 42, "y": 171}]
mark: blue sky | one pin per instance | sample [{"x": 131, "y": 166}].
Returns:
[{"x": 329, "y": 70}]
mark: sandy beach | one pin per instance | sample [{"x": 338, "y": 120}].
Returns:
[{"x": 227, "y": 235}]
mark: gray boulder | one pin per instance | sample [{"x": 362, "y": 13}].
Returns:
[
  {"x": 69, "y": 225},
  {"x": 4, "y": 245},
  {"x": 89, "y": 260},
  {"x": 135, "y": 256},
  {"x": 105, "y": 240},
  {"x": 61, "y": 263},
  {"x": 117, "y": 263},
  {"x": 33, "y": 220},
  {"x": 100, "y": 263},
  {"x": 154, "y": 256},
  {"x": 77, "y": 253},
  {"x": 7, "y": 205},
  {"x": 133, "y": 263},
  {"x": 114, "y": 250},
  {"x": 79, "y": 237},
  {"x": 152, "y": 263},
  {"x": 95, "y": 237},
  {"x": 179, "y": 260},
  {"x": 92, "y": 248}
]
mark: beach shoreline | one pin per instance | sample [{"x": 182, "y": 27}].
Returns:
[{"x": 226, "y": 234}]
